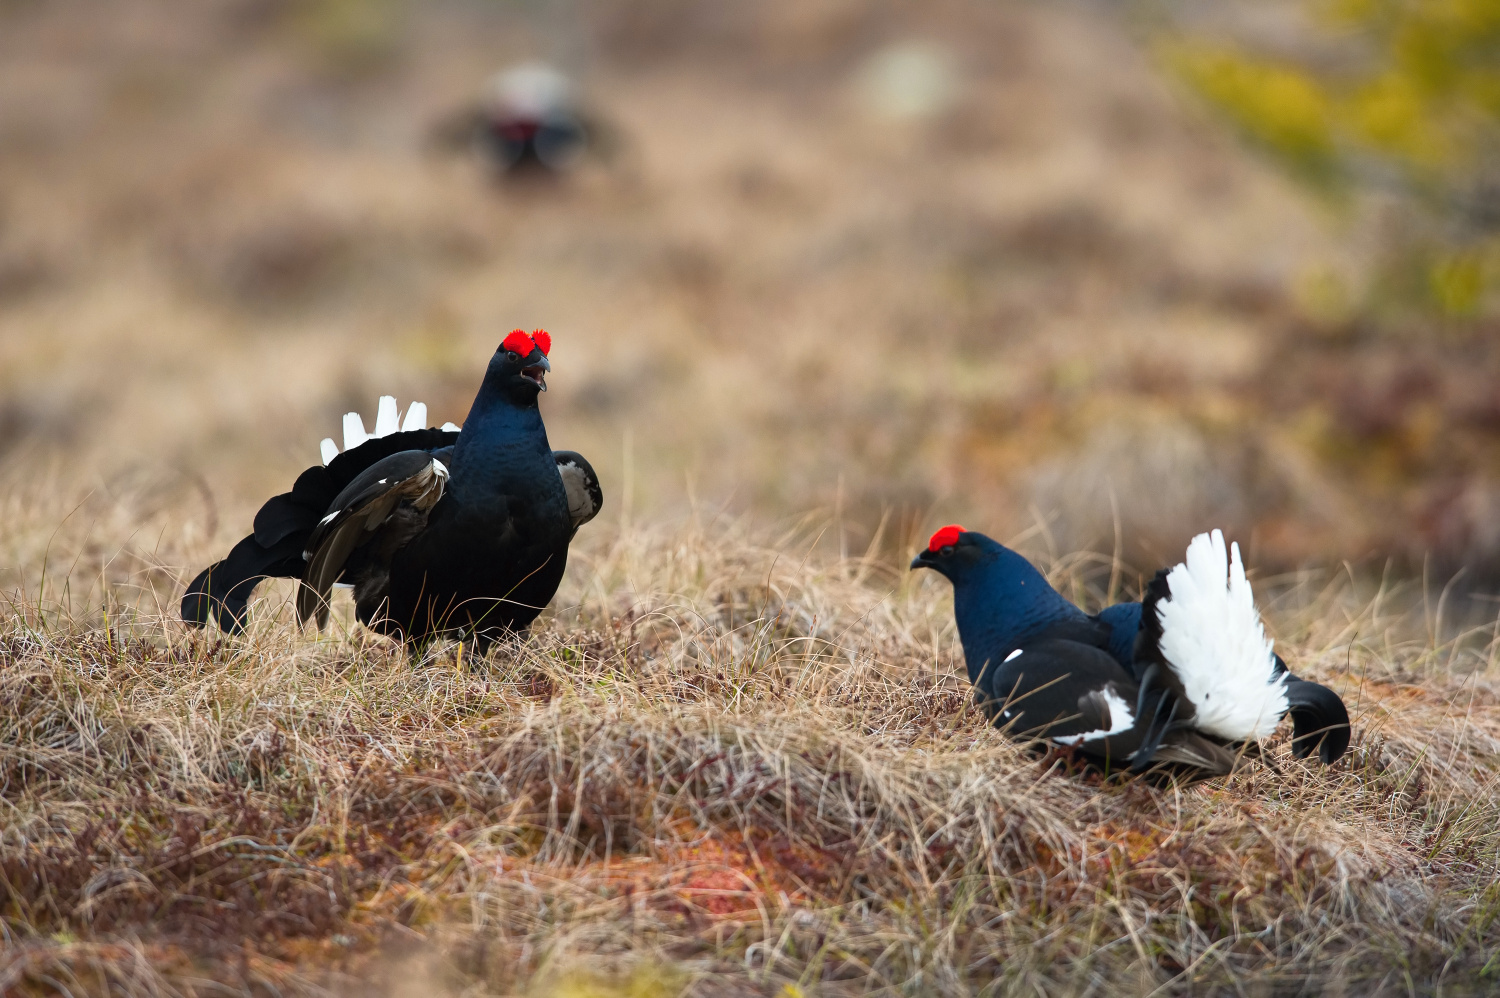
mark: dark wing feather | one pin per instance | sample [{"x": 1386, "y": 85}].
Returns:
[
  {"x": 315, "y": 489},
  {"x": 222, "y": 591},
  {"x": 1161, "y": 690},
  {"x": 1203, "y": 756},
  {"x": 1061, "y": 686},
  {"x": 1054, "y": 688},
  {"x": 585, "y": 497},
  {"x": 357, "y": 513}
]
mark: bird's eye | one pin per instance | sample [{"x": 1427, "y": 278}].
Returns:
[
  {"x": 512, "y": 355},
  {"x": 945, "y": 550}
]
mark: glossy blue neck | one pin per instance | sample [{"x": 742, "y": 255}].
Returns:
[
  {"x": 1000, "y": 602},
  {"x": 503, "y": 440}
]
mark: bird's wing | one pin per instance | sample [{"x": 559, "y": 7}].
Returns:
[
  {"x": 357, "y": 513},
  {"x": 1066, "y": 687},
  {"x": 300, "y": 509},
  {"x": 584, "y": 495},
  {"x": 1064, "y": 690},
  {"x": 283, "y": 525}
]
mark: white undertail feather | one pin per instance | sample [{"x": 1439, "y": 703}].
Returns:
[
  {"x": 1121, "y": 717},
  {"x": 387, "y": 421},
  {"x": 1213, "y": 638},
  {"x": 451, "y": 427}
]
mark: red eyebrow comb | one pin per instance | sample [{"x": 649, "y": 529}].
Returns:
[
  {"x": 945, "y": 537},
  {"x": 519, "y": 343}
]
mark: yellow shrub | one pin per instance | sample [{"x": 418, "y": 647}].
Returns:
[
  {"x": 1418, "y": 114},
  {"x": 1279, "y": 106}
]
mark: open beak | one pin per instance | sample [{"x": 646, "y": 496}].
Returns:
[{"x": 537, "y": 373}]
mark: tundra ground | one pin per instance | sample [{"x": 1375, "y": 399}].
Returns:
[
  {"x": 737, "y": 755},
  {"x": 718, "y": 766}
]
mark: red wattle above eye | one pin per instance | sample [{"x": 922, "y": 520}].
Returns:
[
  {"x": 945, "y": 537},
  {"x": 543, "y": 340},
  {"x": 519, "y": 343}
]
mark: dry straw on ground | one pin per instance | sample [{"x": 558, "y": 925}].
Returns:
[
  {"x": 715, "y": 767},
  {"x": 720, "y": 764}
]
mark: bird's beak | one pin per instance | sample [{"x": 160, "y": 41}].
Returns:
[
  {"x": 923, "y": 560},
  {"x": 537, "y": 373}
]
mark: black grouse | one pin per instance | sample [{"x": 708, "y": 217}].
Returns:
[
  {"x": 1186, "y": 688},
  {"x": 528, "y": 123},
  {"x": 458, "y": 531}
]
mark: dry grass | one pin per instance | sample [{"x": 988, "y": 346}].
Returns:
[
  {"x": 717, "y": 766},
  {"x": 729, "y": 760},
  {"x": 216, "y": 236}
]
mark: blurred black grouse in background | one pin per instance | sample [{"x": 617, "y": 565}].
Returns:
[
  {"x": 437, "y": 530},
  {"x": 528, "y": 122}
]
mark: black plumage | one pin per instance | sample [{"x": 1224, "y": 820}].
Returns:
[
  {"x": 390, "y": 500},
  {"x": 529, "y": 122},
  {"x": 1062, "y": 685},
  {"x": 438, "y": 531},
  {"x": 1108, "y": 684},
  {"x": 1320, "y": 720}
]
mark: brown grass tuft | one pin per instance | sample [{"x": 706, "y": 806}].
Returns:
[{"x": 718, "y": 765}]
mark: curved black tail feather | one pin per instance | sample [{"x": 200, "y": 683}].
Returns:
[
  {"x": 1319, "y": 720},
  {"x": 221, "y": 592}
]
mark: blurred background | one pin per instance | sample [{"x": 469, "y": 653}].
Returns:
[{"x": 1110, "y": 272}]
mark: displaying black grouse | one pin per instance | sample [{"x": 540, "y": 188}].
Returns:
[
  {"x": 528, "y": 122},
  {"x": 1188, "y": 686},
  {"x": 437, "y": 530}
]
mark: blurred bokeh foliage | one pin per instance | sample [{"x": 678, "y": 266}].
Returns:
[
  {"x": 353, "y": 35},
  {"x": 1402, "y": 108},
  {"x": 898, "y": 265}
]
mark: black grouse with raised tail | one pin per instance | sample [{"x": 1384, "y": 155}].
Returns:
[{"x": 460, "y": 531}]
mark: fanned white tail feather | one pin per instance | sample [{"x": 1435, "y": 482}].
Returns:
[
  {"x": 354, "y": 431},
  {"x": 387, "y": 421},
  {"x": 1213, "y": 638}
]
